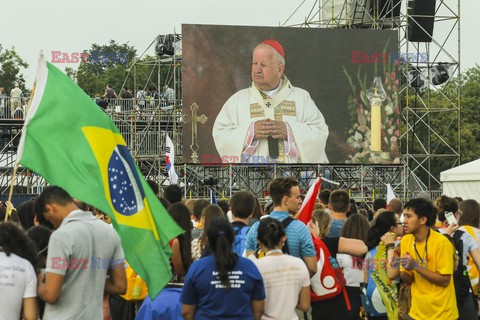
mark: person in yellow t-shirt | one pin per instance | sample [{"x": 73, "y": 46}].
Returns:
[{"x": 427, "y": 262}]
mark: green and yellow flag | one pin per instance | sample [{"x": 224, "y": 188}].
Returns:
[
  {"x": 388, "y": 290},
  {"x": 73, "y": 144}
]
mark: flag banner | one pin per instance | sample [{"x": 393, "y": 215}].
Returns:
[
  {"x": 213, "y": 200},
  {"x": 305, "y": 213},
  {"x": 170, "y": 161},
  {"x": 73, "y": 144},
  {"x": 390, "y": 195}
]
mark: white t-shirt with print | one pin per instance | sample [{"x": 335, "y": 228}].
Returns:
[
  {"x": 352, "y": 269},
  {"x": 17, "y": 281},
  {"x": 284, "y": 276}
]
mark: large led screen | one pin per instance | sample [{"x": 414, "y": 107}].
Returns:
[{"x": 313, "y": 109}]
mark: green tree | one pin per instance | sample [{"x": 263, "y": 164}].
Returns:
[
  {"x": 10, "y": 70},
  {"x": 105, "y": 64},
  {"x": 470, "y": 115},
  {"x": 94, "y": 75},
  {"x": 72, "y": 73}
]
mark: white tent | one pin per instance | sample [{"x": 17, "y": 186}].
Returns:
[{"x": 462, "y": 181}]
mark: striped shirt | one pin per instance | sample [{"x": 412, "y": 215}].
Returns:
[{"x": 299, "y": 240}]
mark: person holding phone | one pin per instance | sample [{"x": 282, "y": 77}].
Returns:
[{"x": 448, "y": 215}]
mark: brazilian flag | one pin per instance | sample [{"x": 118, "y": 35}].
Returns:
[{"x": 73, "y": 144}]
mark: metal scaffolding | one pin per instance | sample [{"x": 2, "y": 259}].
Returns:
[
  {"x": 427, "y": 149},
  {"x": 364, "y": 182}
]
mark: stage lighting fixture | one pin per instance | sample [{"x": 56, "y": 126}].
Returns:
[
  {"x": 414, "y": 78},
  {"x": 210, "y": 181},
  {"x": 165, "y": 44},
  {"x": 439, "y": 73}
]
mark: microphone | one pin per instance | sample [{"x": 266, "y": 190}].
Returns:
[{"x": 272, "y": 147}]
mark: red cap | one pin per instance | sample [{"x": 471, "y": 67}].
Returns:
[{"x": 275, "y": 45}]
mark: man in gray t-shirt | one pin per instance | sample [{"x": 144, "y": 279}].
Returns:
[{"x": 80, "y": 252}]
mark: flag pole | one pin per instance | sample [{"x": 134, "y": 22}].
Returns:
[
  {"x": 15, "y": 168},
  {"x": 10, "y": 193}
]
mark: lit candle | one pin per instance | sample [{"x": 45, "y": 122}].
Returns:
[
  {"x": 376, "y": 94},
  {"x": 375, "y": 127}
]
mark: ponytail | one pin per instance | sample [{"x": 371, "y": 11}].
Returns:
[
  {"x": 220, "y": 237},
  {"x": 270, "y": 232}
]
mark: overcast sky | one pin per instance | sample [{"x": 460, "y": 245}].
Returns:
[{"x": 67, "y": 26}]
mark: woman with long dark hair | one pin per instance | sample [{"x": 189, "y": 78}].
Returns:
[
  {"x": 222, "y": 285},
  {"x": 469, "y": 222},
  {"x": 286, "y": 277},
  {"x": 356, "y": 227},
  {"x": 181, "y": 246},
  {"x": 18, "y": 285},
  {"x": 200, "y": 246}
]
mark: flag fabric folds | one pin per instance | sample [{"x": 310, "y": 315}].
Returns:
[
  {"x": 213, "y": 200},
  {"x": 390, "y": 195},
  {"x": 305, "y": 213},
  {"x": 73, "y": 144},
  {"x": 170, "y": 161}
]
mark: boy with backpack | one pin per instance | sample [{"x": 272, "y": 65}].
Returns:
[
  {"x": 242, "y": 205},
  {"x": 427, "y": 263},
  {"x": 286, "y": 198}
]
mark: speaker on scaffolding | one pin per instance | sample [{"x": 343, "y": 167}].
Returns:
[
  {"x": 415, "y": 78},
  {"x": 389, "y": 8},
  {"x": 165, "y": 45},
  {"x": 421, "y": 18}
]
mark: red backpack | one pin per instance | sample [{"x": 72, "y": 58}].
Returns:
[{"x": 329, "y": 281}]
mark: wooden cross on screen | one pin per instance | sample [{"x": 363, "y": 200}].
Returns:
[{"x": 194, "y": 119}]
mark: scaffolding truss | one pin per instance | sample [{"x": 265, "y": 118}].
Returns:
[
  {"x": 428, "y": 148},
  {"x": 364, "y": 182}
]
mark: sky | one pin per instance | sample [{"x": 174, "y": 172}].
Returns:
[{"x": 61, "y": 25}]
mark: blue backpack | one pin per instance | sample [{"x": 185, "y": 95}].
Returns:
[{"x": 240, "y": 239}]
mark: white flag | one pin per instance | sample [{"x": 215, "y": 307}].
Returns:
[
  {"x": 390, "y": 193},
  {"x": 170, "y": 161}
]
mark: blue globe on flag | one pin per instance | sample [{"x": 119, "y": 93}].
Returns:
[{"x": 126, "y": 192}]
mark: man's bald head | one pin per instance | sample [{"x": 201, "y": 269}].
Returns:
[
  {"x": 267, "y": 67},
  {"x": 396, "y": 205}
]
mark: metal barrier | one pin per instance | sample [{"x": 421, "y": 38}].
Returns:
[{"x": 12, "y": 107}]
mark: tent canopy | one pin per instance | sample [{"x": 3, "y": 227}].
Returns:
[{"x": 462, "y": 181}]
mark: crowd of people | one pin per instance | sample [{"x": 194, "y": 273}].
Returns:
[
  {"x": 144, "y": 98},
  {"x": 13, "y": 106},
  {"x": 240, "y": 260}
]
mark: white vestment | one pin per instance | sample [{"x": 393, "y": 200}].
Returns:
[{"x": 291, "y": 105}]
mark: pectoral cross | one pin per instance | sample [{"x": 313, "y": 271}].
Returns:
[
  {"x": 268, "y": 104},
  {"x": 194, "y": 119}
]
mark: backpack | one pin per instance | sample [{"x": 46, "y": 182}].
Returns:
[
  {"x": 240, "y": 239},
  {"x": 285, "y": 222},
  {"x": 329, "y": 281},
  {"x": 461, "y": 280},
  {"x": 473, "y": 273}
]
